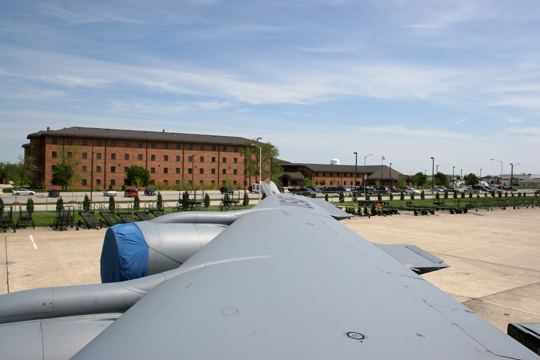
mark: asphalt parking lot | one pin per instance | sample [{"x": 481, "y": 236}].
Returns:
[{"x": 493, "y": 257}]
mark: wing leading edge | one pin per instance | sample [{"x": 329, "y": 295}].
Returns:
[{"x": 289, "y": 281}]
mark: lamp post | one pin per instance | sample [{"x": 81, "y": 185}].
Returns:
[
  {"x": 193, "y": 177},
  {"x": 437, "y": 169},
  {"x": 245, "y": 164},
  {"x": 432, "y": 173},
  {"x": 355, "y": 166},
  {"x": 512, "y": 177},
  {"x": 92, "y": 172},
  {"x": 260, "y": 167},
  {"x": 391, "y": 177},
  {"x": 501, "y": 169},
  {"x": 480, "y": 174},
  {"x": 453, "y": 181},
  {"x": 365, "y": 177}
]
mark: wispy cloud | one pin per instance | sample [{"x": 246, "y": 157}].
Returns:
[
  {"x": 421, "y": 132},
  {"x": 514, "y": 120}
]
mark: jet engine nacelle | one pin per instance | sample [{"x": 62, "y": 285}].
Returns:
[{"x": 139, "y": 249}]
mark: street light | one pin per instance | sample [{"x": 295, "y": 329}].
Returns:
[
  {"x": 365, "y": 177},
  {"x": 453, "y": 181},
  {"x": 432, "y": 173},
  {"x": 501, "y": 169},
  {"x": 92, "y": 172},
  {"x": 355, "y": 166},
  {"x": 480, "y": 174},
  {"x": 260, "y": 167},
  {"x": 391, "y": 177},
  {"x": 512, "y": 177}
]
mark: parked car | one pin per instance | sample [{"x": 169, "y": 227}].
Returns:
[
  {"x": 410, "y": 190},
  {"x": 303, "y": 191},
  {"x": 537, "y": 192},
  {"x": 22, "y": 191},
  {"x": 54, "y": 193},
  {"x": 131, "y": 192},
  {"x": 439, "y": 189},
  {"x": 224, "y": 190},
  {"x": 110, "y": 192},
  {"x": 150, "y": 192},
  {"x": 314, "y": 188},
  {"x": 281, "y": 189},
  {"x": 364, "y": 189},
  {"x": 383, "y": 189}
]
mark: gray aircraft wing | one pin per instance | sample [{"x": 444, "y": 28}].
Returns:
[{"x": 288, "y": 281}]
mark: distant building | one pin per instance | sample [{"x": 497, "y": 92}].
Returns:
[
  {"x": 335, "y": 174},
  {"x": 206, "y": 160},
  {"x": 521, "y": 179}
]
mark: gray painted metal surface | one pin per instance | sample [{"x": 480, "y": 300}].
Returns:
[{"x": 286, "y": 280}]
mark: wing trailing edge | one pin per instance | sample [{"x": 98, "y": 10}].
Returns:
[{"x": 416, "y": 259}]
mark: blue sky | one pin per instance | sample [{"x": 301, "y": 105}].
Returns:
[{"x": 321, "y": 79}]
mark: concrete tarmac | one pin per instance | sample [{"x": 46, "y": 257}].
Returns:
[{"x": 493, "y": 257}]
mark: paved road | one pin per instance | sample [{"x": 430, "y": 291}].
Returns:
[{"x": 493, "y": 257}]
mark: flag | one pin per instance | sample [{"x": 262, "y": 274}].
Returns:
[
  {"x": 383, "y": 158},
  {"x": 258, "y": 178}
]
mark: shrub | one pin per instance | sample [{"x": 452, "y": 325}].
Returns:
[
  {"x": 136, "y": 203},
  {"x": 86, "y": 203},
  {"x": 246, "y": 199},
  {"x": 402, "y": 196},
  {"x": 341, "y": 196},
  {"x": 30, "y": 206},
  {"x": 112, "y": 203},
  {"x": 59, "y": 204},
  {"x": 422, "y": 195},
  {"x": 159, "y": 204},
  {"x": 206, "y": 200},
  {"x": 326, "y": 197}
]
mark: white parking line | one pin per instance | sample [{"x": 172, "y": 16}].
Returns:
[{"x": 33, "y": 242}]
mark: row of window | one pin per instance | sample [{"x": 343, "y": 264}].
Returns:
[
  {"x": 140, "y": 157},
  {"x": 338, "y": 174},
  {"x": 153, "y": 170},
  {"x": 112, "y": 143},
  {"x": 84, "y": 182}
]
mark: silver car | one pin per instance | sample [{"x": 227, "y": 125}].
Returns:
[
  {"x": 109, "y": 193},
  {"x": 23, "y": 192}
]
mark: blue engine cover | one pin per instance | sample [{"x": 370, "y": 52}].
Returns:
[{"x": 124, "y": 255}]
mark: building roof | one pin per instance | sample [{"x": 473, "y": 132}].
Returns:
[
  {"x": 373, "y": 170},
  {"x": 163, "y": 136}
]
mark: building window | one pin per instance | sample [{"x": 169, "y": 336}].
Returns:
[
  {"x": 98, "y": 156},
  {"x": 53, "y": 167},
  {"x": 177, "y": 157},
  {"x": 69, "y": 155},
  {"x": 166, "y": 145},
  {"x": 153, "y": 157},
  {"x": 235, "y": 160},
  {"x": 190, "y": 147},
  {"x": 152, "y": 182},
  {"x": 165, "y": 170},
  {"x": 213, "y": 147},
  {"x": 113, "y": 156},
  {"x": 201, "y": 171},
  {"x": 83, "y": 182},
  {"x": 213, "y": 181},
  {"x": 98, "y": 181},
  {"x": 113, "y": 182},
  {"x": 126, "y": 156},
  {"x": 201, "y": 159},
  {"x": 234, "y": 182},
  {"x": 70, "y": 141},
  {"x": 178, "y": 146},
  {"x": 98, "y": 169},
  {"x": 165, "y": 181},
  {"x": 236, "y": 149},
  {"x": 84, "y": 169},
  {"x": 224, "y": 148},
  {"x": 126, "y": 143},
  {"x": 54, "y": 140},
  {"x": 224, "y": 160},
  {"x": 213, "y": 159},
  {"x": 190, "y": 170},
  {"x": 202, "y": 147},
  {"x": 213, "y": 171},
  {"x": 224, "y": 171},
  {"x": 235, "y": 172},
  {"x": 177, "y": 182},
  {"x": 139, "y": 157},
  {"x": 153, "y": 145},
  {"x": 223, "y": 182},
  {"x": 126, "y": 169},
  {"x": 85, "y": 141},
  {"x": 152, "y": 170},
  {"x": 140, "y": 144},
  {"x": 178, "y": 170},
  {"x": 113, "y": 142},
  {"x": 113, "y": 169},
  {"x": 190, "y": 159},
  {"x": 54, "y": 154},
  {"x": 84, "y": 155},
  {"x": 201, "y": 182},
  {"x": 98, "y": 143},
  {"x": 165, "y": 157}
]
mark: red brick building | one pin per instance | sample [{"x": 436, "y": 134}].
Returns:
[{"x": 171, "y": 158}]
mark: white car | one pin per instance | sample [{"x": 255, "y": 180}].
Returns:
[
  {"x": 412, "y": 191},
  {"x": 22, "y": 192},
  {"x": 109, "y": 193}
]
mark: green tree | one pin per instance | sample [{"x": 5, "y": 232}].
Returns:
[
  {"x": 471, "y": 179},
  {"x": 112, "y": 204},
  {"x": 62, "y": 175},
  {"x": 21, "y": 173},
  {"x": 137, "y": 176},
  {"x": 378, "y": 183},
  {"x": 400, "y": 183},
  {"x": 441, "y": 179},
  {"x": 419, "y": 179},
  {"x": 30, "y": 206},
  {"x": 59, "y": 204},
  {"x": 159, "y": 201},
  {"x": 206, "y": 201},
  {"x": 308, "y": 182},
  {"x": 246, "y": 200},
  {"x": 86, "y": 203},
  {"x": 268, "y": 152}
]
